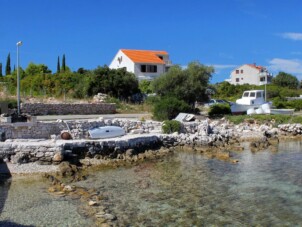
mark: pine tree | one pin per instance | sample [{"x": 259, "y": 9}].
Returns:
[
  {"x": 8, "y": 68},
  {"x": 58, "y": 65},
  {"x": 63, "y": 63},
  {"x": 1, "y": 69}
]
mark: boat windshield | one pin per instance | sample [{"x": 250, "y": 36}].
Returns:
[
  {"x": 252, "y": 94},
  {"x": 259, "y": 94},
  {"x": 245, "y": 94}
]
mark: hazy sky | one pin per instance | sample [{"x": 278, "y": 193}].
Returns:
[{"x": 221, "y": 33}]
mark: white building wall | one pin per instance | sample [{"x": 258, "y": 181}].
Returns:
[
  {"x": 148, "y": 76},
  {"x": 249, "y": 75},
  {"x": 120, "y": 61}
]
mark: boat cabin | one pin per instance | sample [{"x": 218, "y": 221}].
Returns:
[{"x": 252, "y": 97}]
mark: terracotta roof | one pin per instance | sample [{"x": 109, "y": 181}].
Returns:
[
  {"x": 256, "y": 66},
  {"x": 145, "y": 56}
]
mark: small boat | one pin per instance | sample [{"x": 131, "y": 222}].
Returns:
[
  {"x": 252, "y": 99},
  {"x": 106, "y": 132}
]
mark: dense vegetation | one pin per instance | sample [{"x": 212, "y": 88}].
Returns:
[
  {"x": 176, "y": 90},
  {"x": 37, "y": 80}
]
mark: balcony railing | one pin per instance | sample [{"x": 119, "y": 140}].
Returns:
[{"x": 168, "y": 63}]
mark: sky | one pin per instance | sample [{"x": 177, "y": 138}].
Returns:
[{"x": 220, "y": 33}]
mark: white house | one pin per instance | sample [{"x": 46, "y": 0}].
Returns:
[
  {"x": 250, "y": 74},
  {"x": 145, "y": 64}
]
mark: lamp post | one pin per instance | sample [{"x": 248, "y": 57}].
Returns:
[{"x": 18, "y": 77}]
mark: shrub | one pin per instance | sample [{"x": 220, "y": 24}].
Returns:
[
  {"x": 262, "y": 119},
  {"x": 12, "y": 103},
  {"x": 219, "y": 110},
  {"x": 168, "y": 108},
  {"x": 171, "y": 126}
]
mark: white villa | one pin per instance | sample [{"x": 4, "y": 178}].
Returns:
[
  {"x": 145, "y": 64},
  {"x": 250, "y": 74}
]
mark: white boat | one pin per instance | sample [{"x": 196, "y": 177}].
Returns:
[
  {"x": 252, "y": 99},
  {"x": 106, "y": 132}
]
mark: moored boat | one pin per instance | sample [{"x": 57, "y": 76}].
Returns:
[
  {"x": 252, "y": 99},
  {"x": 106, "y": 132}
]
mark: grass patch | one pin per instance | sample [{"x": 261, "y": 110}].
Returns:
[{"x": 262, "y": 119}]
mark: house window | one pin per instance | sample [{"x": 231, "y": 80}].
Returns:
[
  {"x": 148, "y": 68},
  {"x": 237, "y": 71},
  {"x": 237, "y": 79},
  {"x": 262, "y": 79},
  {"x": 241, "y": 70}
]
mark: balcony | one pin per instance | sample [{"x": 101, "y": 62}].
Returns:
[{"x": 168, "y": 63}]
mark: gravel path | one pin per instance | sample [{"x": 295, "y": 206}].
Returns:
[{"x": 28, "y": 168}]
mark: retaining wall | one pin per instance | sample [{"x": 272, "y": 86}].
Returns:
[{"x": 68, "y": 108}]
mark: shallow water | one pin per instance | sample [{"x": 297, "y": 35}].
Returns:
[{"x": 187, "y": 189}]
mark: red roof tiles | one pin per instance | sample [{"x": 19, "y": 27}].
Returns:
[{"x": 145, "y": 56}]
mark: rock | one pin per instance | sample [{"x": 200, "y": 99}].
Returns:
[
  {"x": 92, "y": 203},
  {"x": 68, "y": 188},
  {"x": 130, "y": 152},
  {"x": 58, "y": 157},
  {"x": 20, "y": 158}
]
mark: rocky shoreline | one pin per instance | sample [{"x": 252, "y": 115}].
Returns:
[
  {"x": 143, "y": 141},
  {"x": 64, "y": 162}
]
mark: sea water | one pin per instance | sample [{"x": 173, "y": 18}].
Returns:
[{"x": 186, "y": 189}]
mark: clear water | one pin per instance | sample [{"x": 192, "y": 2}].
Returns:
[{"x": 264, "y": 188}]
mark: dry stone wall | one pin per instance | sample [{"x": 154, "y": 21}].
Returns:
[
  {"x": 68, "y": 108},
  {"x": 78, "y": 129}
]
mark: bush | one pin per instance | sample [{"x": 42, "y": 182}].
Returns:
[
  {"x": 168, "y": 108},
  {"x": 262, "y": 119},
  {"x": 292, "y": 104},
  {"x": 12, "y": 103},
  {"x": 171, "y": 126},
  {"x": 218, "y": 110}
]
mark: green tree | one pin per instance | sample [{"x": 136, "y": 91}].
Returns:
[
  {"x": 1, "y": 69},
  {"x": 63, "y": 63},
  {"x": 286, "y": 80},
  {"x": 188, "y": 84},
  {"x": 145, "y": 86},
  {"x": 58, "y": 65},
  {"x": 168, "y": 108},
  {"x": 8, "y": 67},
  {"x": 37, "y": 69},
  {"x": 117, "y": 83}
]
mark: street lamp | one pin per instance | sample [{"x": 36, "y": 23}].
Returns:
[{"x": 18, "y": 77}]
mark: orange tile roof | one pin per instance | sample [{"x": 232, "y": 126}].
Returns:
[
  {"x": 145, "y": 56},
  {"x": 256, "y": 66}
]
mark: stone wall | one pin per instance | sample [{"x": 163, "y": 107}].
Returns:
[
  {"x": 55, "y": 151},
  {"x": 79, "y": 128},
  {"x": 67, "y": 108}
]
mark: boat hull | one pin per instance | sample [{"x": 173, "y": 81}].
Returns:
[
  {"x": 106, "y": 132},
  {"x": 238, "y": 109}
]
